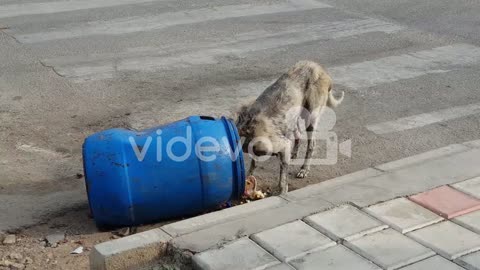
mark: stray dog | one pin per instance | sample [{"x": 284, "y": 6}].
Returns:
[{"x": 272, "y": 121}]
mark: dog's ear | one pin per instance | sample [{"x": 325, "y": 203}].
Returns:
[{"x": 241, "y": 113}]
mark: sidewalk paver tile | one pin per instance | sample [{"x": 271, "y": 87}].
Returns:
[
  {"x": 447, "y": 202},
  {"x": 470, "y": 261},
  {"x": 334, "y": 258},
  {"x": 433, "y": 263},
  {"x": 403, "y": 215},
  {"x": 282, "y": 266},
  {"x": 470, "y": 221},
  {"x": 389, "y": 249},
  {"x": 344, "y": 222},
  {"x": 292, "y": 240},
  {"x": 242, "y": 254},
  {"x": 448, "y": 239},
  {"x": 471, "y": 187}
]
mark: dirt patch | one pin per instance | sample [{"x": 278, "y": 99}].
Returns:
[{"x": 31, "y": 251}]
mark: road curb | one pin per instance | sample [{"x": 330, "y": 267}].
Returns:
[{"x": 129, "y": 252}]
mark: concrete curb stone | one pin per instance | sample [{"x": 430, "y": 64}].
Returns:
[
  {"x": 131, "y": 251},
  {"x": 203, "y": 221},
  {"x": 472, "y": 144}
]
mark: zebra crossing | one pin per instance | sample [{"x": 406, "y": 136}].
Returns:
[{"x": 377, "y": 70}]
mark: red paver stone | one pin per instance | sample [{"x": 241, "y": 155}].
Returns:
[{"x": 447, "y": 202}]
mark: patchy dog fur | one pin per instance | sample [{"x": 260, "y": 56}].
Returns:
[{"x": 271, "y": 124}]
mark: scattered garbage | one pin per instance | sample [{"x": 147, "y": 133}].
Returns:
[
  {"x": 78, "y": 250},
  {"x": 251, "y": 192},
  {"x": 10, "y": 239},
  {"x": 54, "y": 239}
]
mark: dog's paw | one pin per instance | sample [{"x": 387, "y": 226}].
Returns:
[{"x": 302, "y": 173}]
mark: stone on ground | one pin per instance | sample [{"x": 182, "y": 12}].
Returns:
[
  {"x": 334, "y": 258},
  {"x": 447, "y": 202},
  {"x": 242, "y": 254},
  {"x": 447, "y": 239},
  {"x": 403, "y": 215},
  {"x": 292, "y": 240},
  {"x": 389, "y": 249},
  {"x": 344, "y": 222}
]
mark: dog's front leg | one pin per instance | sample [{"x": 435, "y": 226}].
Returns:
[
  {"x": 253, "y": 165},
  {"x": 282, "y": 181}
]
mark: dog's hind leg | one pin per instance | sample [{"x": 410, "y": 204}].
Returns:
[
  {"x": 310, "y": 146},
  {"x": 282, "y": 181}
]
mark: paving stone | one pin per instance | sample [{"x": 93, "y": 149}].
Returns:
[
  {"x": 454, "y": 242},
  {"x": 389, "y": 249},
  {"x": 403, "y": 215},
  {"x": 470, "y": 261},
  {"x": 447, "y": 202},
  {"x": 334, "y": 258},
  {"x": 243, "y": 254},
  {"x": 433, "y": 263},
  {"x": 208, "y": 238},
  {"x": 470, "y": 221},
  {"x": 278, "y": 240},
  {"x": 282, "y": 266},
  {"x": 471, "y": 187},
  {"x": 344, "y": 222}
]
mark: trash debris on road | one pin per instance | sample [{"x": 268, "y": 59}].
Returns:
[
  {"x": 251, "y": 192},
  {"x": 10, "y": 239},
  {"x": 78, "y": 250},
  {"x": 54, "y": 239}
]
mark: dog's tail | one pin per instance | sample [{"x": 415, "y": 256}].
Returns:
[{"x": 332, "y": 101}]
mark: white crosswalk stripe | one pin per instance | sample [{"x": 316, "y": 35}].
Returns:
[
  {"x": 105, "y": 66},
  {"x": 140, "y": 24},
  {"x": 14, "y": 10},
  {"x": 406, "y": 66},
  {"x": 420, "y": 120}
]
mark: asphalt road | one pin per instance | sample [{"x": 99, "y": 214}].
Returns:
[{"x": 410, "y": 70}]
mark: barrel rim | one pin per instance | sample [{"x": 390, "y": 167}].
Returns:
[{"x": 239, "y": 168}]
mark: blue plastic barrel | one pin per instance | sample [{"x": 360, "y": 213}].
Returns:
[{"x": 179, "y": 169}]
